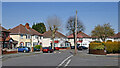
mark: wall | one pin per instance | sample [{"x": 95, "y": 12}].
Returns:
[{"x": 19, "y": 39}]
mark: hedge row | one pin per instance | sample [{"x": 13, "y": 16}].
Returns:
[
  {"x": 38, "y": 46},
  {"x": 95, "y": 45},
  {"x": 111, "y": 47}
]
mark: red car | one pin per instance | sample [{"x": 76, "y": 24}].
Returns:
[
  {"x": 47, "y": 50},
  {"x": 56, "y": 48}
]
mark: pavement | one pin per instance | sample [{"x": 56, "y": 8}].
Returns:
[{"x": 63, "y": 58}]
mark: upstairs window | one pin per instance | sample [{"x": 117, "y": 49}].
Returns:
[
  {"x": 28, "y": 36},
  {"x": 36, "y": 37}
]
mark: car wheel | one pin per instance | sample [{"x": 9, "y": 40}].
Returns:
[
  {"x": 48, "y": 51},
  {"x": 24, "y": 51}
]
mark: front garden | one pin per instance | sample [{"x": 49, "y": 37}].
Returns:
[{"x": 103, "y": 48}]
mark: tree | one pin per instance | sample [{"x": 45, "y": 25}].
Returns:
[
  {"x": 103, "y": 31},
  {"x": 40, "y": 27},
  {"x": 71, "y": 26},
  {"x": 53, "y": 25}
]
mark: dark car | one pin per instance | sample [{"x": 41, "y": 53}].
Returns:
[
  {"x": 72, "y": 47},
  {"x": 82, "y": 48},
  {"x": 23, "y": 49},
  {"x": 35, "y": 49},
  {"x": 47, "y": 50}
]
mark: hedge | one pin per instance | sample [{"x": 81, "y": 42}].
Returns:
[
  {"x": 38, "y": 46},
  {"x": 111, "y": 47},
  {"x": 95, "y": 45}
]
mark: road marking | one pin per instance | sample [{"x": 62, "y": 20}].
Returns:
[
  {"x": 64, "y": 61},
  {"x": 67, "y": 63}
]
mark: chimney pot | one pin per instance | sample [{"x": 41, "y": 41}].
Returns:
[{"x": 27, "y": 25}]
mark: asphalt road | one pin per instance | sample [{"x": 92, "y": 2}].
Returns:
[{"x": 62, "y": 58}]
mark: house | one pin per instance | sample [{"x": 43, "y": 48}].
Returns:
[
  {"x": 59, "y": 41},
  {"x": 82, "y": 39},
  {"x": 26, "y": 36},
  {"x": 5, "y": 40},
  {"x": 115, "y": 37}
]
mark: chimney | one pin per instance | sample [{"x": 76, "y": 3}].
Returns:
[{"x": 27, "y": 25}]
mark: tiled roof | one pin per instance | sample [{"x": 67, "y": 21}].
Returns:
[
  {"x": 48, "y": 34},
  {"x": 79, "y": 35},
  {"x": 21, "y": 29},
  {"x": 116, "y": 35},
  {"x": 3, "y": 29}
]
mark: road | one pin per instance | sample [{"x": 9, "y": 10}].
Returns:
[{"x": 62, "y": 58}]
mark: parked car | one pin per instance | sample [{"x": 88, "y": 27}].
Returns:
[
  {"x": 23, "y": 49},
  {"x": 82, "y": 48},
  {"x": 72, "y": 47},
  {"x": 35, "y": 49},
  {"x": 56, "y": 48},
  {"x": 47, "y": 50}
]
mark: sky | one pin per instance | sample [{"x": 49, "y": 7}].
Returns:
[{"x": 90, "y": 14}]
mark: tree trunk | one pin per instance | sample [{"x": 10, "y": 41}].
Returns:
[
  {"x": 53, "y": 36},
  {"x": 52, "y": 43}
]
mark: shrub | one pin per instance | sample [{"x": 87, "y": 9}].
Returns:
[
  {"x": 112, "y": 47},
  {"x": 100, "y": 47},
  {"x": 95, "y": 45},
  {"x": 38, "y": 46}
]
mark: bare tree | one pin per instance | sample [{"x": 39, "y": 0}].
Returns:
[
  {"x": 71, "y": 26},
  {"x": 54, "y": 24}
]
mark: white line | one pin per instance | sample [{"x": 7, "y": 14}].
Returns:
[
  {"x": 64, "y": 61},
  {"x": 67, "y": 63}
]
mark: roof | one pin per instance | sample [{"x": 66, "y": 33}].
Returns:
[
  {"x": 79, "y": 35},
  {"x": 48, "y": 34},
  {"x": 116, "y": 35},
  {"x": 21, "y": 29},
  {"x": 3, "y": 29}
]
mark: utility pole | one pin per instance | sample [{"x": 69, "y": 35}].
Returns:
[{"x": 76, "y": 34}]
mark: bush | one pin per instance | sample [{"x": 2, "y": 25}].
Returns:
[
  {"x": 38, "y": 46},
  {"x": 112, "y": 47},
  {"x": 100, "y": 47},
  {"x": 95, "y": 45}
]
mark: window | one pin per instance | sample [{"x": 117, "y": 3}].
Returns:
[
  {"x": 21, "y": 44},
  {"x": 36, "y": 37},
  {"x": 28, "y": 44},
  {"x": 21, "y": 36},
  {"x": 28, "y": 36},
  {"x": 80, "y": 38}
]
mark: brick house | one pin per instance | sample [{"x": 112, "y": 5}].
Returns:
[{"x": 5, "y": 40}]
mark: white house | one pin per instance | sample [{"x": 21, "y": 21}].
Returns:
[
  {"x": 82, "y": 39},
  {"x": 59, "y": 41},
  {"x": 116, "y": 37}
]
